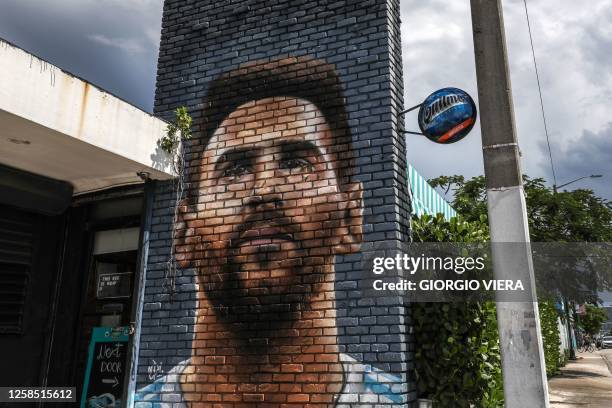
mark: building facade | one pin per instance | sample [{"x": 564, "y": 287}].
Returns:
[
  {"x": 73, "y": 160},
  {"x": 254, "y": 290},
  {"x": 244, "y": 281}
]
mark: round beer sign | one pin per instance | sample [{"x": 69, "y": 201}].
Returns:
[{"x": 447, "y": 115}]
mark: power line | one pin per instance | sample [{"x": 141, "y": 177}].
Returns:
[{"x": 535, "y": 64}]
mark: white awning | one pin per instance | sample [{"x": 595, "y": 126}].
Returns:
[{"x": 57, "y": 125}]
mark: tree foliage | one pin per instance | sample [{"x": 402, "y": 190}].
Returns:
[
  {"x": 567, "y": 216},
  {"x": 577, "y": 216},
  {"x": 593, "y": 319}
]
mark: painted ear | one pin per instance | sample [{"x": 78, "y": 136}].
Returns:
[
  {"x": 184, "y": 242},
  {"x": 351, "y": 229}
]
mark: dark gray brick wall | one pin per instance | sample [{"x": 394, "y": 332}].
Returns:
[{"x": 201, "y": 40}]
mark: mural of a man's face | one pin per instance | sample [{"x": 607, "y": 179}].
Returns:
[
  {"x": 272, "y": 199},
  {"x": 271, "y": 211}
]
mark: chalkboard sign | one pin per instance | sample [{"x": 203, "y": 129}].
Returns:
[
  {"x": 113, "y": 285},
  {"x": 103, "y": 384}
]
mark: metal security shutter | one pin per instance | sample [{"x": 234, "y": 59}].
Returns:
[{"x": 16, "y": 247}]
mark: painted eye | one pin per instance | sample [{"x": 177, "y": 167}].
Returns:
[
  {"x": 299, "y": 164},
  {"x": 236, "y": 170}
]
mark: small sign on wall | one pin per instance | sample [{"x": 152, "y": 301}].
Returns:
[
  {"x": 114, "y": 285},
  {"x": 103, "y": 383}
]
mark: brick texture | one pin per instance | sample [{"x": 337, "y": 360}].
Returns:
[{"x": 295, "y": 177}]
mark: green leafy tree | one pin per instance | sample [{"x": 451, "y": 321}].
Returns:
[
  {"x": 593, "y": 319},
  {"x": 563, "y": 217},
  {"x": 567, "y": 216}
]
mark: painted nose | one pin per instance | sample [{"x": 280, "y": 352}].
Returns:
[{"x": 264, "y": 195}]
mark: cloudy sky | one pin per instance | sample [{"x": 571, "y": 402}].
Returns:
[{"x": 113, "y": 43}]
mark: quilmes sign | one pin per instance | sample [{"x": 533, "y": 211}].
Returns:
[{"x": 447, "y": 115}]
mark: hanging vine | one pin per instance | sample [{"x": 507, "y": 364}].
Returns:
[{"x": 172, "y": 143}]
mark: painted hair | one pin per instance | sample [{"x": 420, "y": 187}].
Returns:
[{"x": 300, "y": 77}]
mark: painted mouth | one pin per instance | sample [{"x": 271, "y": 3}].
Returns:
[{"x": 263, "y": 236}]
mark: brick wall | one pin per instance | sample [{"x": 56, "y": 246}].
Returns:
[{"x": 296, "y": 176}]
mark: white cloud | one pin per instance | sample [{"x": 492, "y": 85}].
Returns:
[
  {"x": 130, "y": 45},
  {"x": 153, "y": 36}
]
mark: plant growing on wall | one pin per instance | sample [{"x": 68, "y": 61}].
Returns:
[{"x": 177, "y": 132}]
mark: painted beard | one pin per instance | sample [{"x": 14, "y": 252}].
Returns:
[{"x": 264, "y": 272}]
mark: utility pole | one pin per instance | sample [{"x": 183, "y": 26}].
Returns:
[{"x": 519, "y": 324}]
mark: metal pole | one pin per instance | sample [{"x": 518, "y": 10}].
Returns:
[
  {"x": 519, "y": 324},
  {"x": 570, "y": 336},
  {"x": 556, "y": 187},
  {"x": 129, "y": 382}
]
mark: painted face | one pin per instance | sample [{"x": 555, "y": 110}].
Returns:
[{"x": 270, "y": 211}]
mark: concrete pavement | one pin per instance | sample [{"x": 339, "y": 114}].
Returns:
[{"x": 586, "y": 382}]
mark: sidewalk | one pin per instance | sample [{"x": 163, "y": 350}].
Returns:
[{"x": 586, "y": 382}]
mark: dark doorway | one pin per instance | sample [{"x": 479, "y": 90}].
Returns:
[{"x": 29, "y": 247}]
